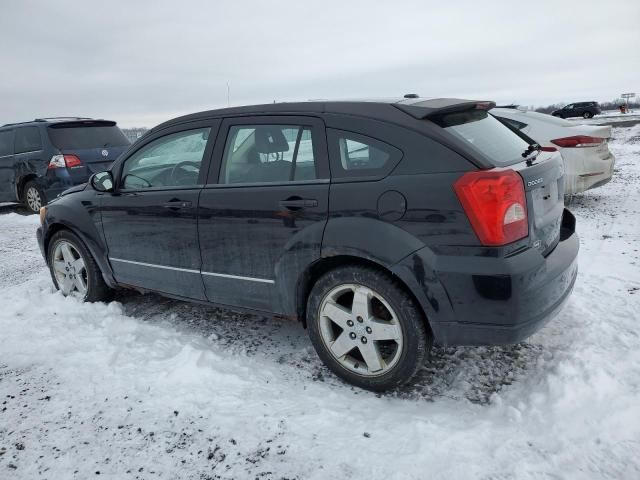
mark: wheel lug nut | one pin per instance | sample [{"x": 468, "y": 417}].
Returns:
[
  {"x": 359, "y": 319},
  {"x": 352, "y": 336},
  {"x": 350, "y": 323},
  {"x": 369, "y": 330},
  {"x": 363, "y": 339}
]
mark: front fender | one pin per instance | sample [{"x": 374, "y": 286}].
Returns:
[{"x": 86, "y": 224}]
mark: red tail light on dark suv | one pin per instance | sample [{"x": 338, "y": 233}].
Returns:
[{"x": 62, "y": 161}]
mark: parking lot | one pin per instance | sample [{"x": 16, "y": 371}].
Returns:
[{"x": 146, "y": 387}]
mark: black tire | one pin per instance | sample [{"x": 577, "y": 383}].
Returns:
[
  {"x": 587, "y": 115},
  {"x": 30, "y": 190},
  {"x": 416, "y": 339},
  {"x": 97, "y": 290}
]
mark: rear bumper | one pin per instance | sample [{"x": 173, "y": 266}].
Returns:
[{"x": 496, "y": 301}]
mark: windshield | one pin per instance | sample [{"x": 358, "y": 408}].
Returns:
[
  {"x": 486, "y": 134},
  {"x": 81, "y": 136}
]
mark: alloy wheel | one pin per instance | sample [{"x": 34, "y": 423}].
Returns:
[
  {"x": 69, "y": 269},
  {"x": 360, "y": 329},
  {"x": 34, "y": 200}
]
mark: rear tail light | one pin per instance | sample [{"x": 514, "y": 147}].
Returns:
[
  {"x": 62, "y": 161},
  {"x": 548, "y": 149},
  {"x": 495, "y": 204},
  {"x": 578, "y": 141}
]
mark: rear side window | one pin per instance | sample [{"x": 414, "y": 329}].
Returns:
[
  {"x": 268, "y": 153},
  {"x": 486, "y": 134},
  {"x": 27, "y": 139},
  {"x": 6, "y": 142},
  {"x": 83, "y": 135},
  {"x": 356, "y": 155}
]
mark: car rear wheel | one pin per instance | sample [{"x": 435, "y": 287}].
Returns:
[
  {"x": 33, "y": 197},
  {"x": 73, "y": 269},
  {"x": 366, "y": 328},
  {"x": 587, "y": 115}
]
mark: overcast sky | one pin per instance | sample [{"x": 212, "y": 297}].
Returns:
[{"x": 141, "y": 63}]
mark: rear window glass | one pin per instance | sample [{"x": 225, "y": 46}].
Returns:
[
  {"x": 77, "y": 137},
  {"x": 514, "y": 123},
  {"x": 486, "y": 134},
  {"x": 550, "y": 119}
]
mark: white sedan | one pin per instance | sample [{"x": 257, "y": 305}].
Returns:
[{"x": 584, "y": 148}]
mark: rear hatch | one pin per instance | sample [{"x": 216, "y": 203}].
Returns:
[
  {"x": 96, "y": 143},
  {"x": 498, "y": 147}
]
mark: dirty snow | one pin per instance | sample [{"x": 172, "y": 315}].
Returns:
[{"x": 146, "y": 387}]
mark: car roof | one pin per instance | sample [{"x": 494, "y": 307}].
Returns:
[
  {"x": 52, "y": 120},
  {"x": 382, "y": 108}
]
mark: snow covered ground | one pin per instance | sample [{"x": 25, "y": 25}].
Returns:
[
  {"x": 146, "y": 387},
  {"x": 610, "y": 117}
]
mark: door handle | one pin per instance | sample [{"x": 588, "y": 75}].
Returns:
[
  {"x": 298, "y": 203},
  {"x": 177, "y": 204}
]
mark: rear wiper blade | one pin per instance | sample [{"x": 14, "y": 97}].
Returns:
[{"x": 534, "y": 147}]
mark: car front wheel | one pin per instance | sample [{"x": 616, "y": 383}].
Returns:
[
  {"x": 366, "y": 328},
  {"x": 73, "y": 269}
]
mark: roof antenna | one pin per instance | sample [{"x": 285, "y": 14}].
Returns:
[
  {"x": 411, "y": 95},
  {"x": 228, "y": 94}
]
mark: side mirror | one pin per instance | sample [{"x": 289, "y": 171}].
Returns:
[{"x": 102, "y": 182}]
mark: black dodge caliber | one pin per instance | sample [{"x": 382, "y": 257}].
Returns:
[{"x": 384, "y": 227}]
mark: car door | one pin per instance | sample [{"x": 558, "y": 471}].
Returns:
[
  {"x": 7, "y": 189},
  {"x": 569, "y": 110},
  {"x": 263, "y": 211},
  {"x": 150, "y": 221},
  {"x": 28, "y": 157}
]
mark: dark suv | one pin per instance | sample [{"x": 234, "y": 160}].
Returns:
[
  {"x": 40, "y": 159},
  {"x": 382, "y": 226},
  {"x": 579, "y": 109}
]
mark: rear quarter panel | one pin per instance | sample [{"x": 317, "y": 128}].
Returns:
[{"x": 387, "y": 220}]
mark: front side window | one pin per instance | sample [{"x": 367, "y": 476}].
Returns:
[
  {"x": 170, "y": 161},
  {"x": 359, "y": 155},
  {"x": 27, "y": 139},
  {"x": 485, "y": 134},
  {"x": 268, "y": 153}
]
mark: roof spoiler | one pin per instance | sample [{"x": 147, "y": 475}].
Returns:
[
  {"x": 82, "y": 123},
  {"x": 421, "y": 109}
]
